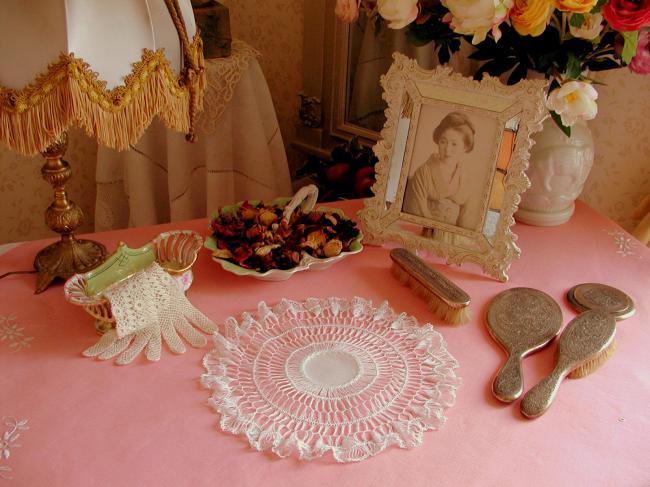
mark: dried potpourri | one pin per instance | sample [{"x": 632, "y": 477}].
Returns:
[{"x": 257, "y": 237}]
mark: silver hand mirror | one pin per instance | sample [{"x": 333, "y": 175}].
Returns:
[{"x": 522, "y": 320}]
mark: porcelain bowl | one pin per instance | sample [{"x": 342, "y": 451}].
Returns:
[
  {"x": 175, "y": 251},
  {"x": 307, "y": 262}
]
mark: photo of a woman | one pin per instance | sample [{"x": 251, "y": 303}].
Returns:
[
  {"x": 448, "y": 184},
  {"x": 437, "y": 190}
]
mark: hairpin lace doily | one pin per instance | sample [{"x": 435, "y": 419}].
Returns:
[{"x": 329, "y": 375}]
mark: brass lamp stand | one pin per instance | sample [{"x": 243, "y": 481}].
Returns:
[{"x": 69, "y": 255}]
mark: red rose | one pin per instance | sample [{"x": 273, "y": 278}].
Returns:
[{"x": 627, "y": 15}]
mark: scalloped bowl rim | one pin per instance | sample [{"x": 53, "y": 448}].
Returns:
[
  {"x": 87, "y": 299},
  {"x": 307, "y": 262}
]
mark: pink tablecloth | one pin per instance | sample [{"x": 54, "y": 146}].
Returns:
[{"x": 94, "y": 423}]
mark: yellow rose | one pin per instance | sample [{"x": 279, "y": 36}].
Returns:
[
  {"x": 576, "y": 6},
  {"x": 530, "y": 17}
]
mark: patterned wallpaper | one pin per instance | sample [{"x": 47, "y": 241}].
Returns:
[
  {"x": 24, "y": 194},
  {"x": 274, "y": 27},
  {"x": 619, "y": 179}
]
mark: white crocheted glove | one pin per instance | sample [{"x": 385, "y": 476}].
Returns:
[{"x": 167, "y": 315}]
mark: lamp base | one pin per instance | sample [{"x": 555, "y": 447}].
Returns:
[
  {"x": 65, "y": 258},
  {"x": 69, "y": 255}
]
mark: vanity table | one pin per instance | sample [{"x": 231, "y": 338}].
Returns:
[{"x": 95, "y": 423}]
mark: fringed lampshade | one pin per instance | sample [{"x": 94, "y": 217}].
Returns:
[{"x": 108, "y": 67}]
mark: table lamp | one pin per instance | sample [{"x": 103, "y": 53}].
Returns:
[{"x": 107, "y": 67}]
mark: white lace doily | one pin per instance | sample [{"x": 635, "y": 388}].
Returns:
[
  {"x": 223, "y": 75},
  {"x": 329, "y": 374}
]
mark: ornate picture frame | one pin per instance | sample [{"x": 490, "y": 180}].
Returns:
[{"x": 452, "y": 157}]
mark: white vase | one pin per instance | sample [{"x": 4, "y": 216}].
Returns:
[{"x": 559, "y": 166}]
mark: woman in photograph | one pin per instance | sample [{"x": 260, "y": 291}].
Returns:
[{"x": 438, "y": 189}]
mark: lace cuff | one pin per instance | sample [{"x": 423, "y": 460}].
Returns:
[{"x": 135, "y": 301}]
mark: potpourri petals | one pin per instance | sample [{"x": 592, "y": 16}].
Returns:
[{"x": 257, "y": 237}]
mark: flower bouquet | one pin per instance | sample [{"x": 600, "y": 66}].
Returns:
[{"x": 564, "y": 40}]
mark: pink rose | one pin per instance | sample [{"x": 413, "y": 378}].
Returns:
[
  {"x": 347, "y": 10},
  {"x": 641, "y": 61}
]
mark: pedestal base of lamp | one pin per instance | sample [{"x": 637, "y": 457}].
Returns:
[
  {"x": 69, "y": 255},
  {"x": 65, "y": 258}
]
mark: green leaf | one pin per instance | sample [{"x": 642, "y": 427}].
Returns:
[
  {"x": 496, "y": 67},
  {"x": 555, "y": 84},
  {"x": 573, "y": 66},
  {"x": 629, "y": 48},
  {"x": 378, "y": 22},
  {"x": 591, "y": 80},
  {"x": 607, "y": 41},
  {"x": 519, "y": 73},
  {"x": 487, "y": 50},
  {"x": 446, "y": 47},
  {"x": 602, "y": 64},
  {"x": 484, "y": 55},
  {"x": 598, "y": 6},
  {"x": 558, "y": 121},
  {"x": 355, "y": 146},
  {"x": 443, "y": 55},
  {"x": 577, "y": 20},
  {"x": 416, "y": 37}
]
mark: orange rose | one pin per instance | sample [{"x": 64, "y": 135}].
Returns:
[
  {"x": 530, "y": 17},
  {"x": 576, "y": 6}
]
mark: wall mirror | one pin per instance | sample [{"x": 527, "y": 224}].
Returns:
[
  {"x": 367, "y": 53},
  {"x": 342, "y": 65},
  {"x": 452, "y": 156}
]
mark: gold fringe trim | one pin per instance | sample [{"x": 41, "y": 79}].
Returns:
[{"x": 70, "y": 93}]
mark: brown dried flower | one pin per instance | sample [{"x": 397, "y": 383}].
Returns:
[
  {"x": 332, "y": 248},
  {"x": 256, "y": 237}
]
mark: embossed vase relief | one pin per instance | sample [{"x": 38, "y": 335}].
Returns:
[{"x": 559, "y": 166}]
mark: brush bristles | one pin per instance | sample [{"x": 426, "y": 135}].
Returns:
[
  {"x": 444, "y": 312},
  {"x": 594, "y": 363}
]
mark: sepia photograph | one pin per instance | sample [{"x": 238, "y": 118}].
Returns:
[{"x": 451, "y": 166}]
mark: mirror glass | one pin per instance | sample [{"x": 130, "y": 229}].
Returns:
[
  {"x": 497, "y": 191},
  {"x": 370, "y": 51}
]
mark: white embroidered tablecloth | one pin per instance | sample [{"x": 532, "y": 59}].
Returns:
[{"x": 239, "y": 155}]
